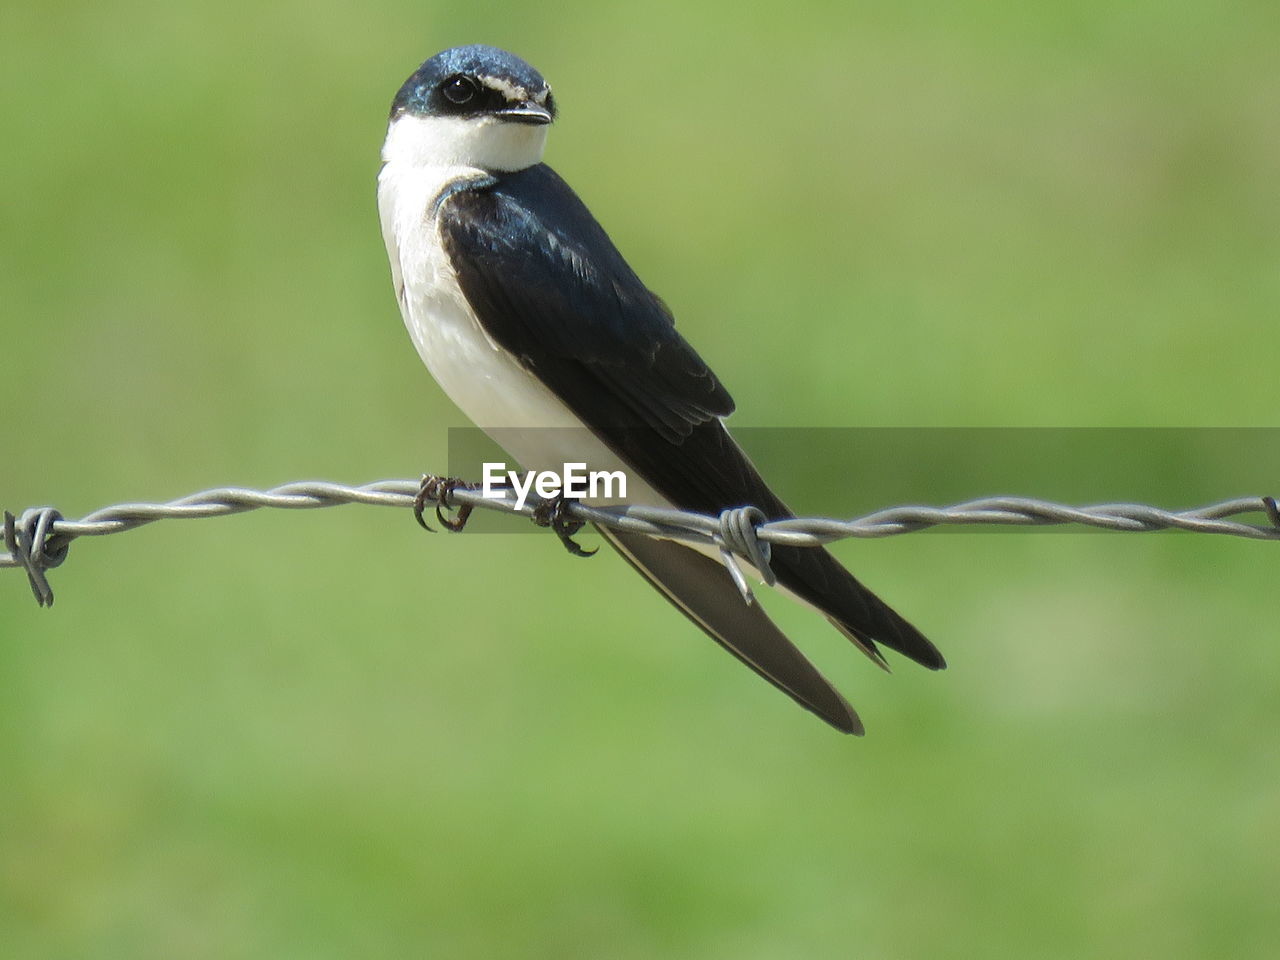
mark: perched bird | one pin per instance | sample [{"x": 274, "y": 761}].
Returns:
[{"x": 529, "y": 318}]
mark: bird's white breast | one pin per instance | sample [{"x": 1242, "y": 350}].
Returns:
[{"x": 485, "y": 381}]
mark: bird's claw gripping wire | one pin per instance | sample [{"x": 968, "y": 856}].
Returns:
[
  {"x": 1272, "y": 511},
  {"x": 434, "y": 489},
  {"x": 554, "y": 513}
]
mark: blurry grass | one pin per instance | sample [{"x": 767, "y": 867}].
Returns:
[{"x": 326, "y": 734}]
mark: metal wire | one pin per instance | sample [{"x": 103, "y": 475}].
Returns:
[{"x": 38, "y": 540}]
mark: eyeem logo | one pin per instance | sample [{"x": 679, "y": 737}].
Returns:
[{"x": 575, "y": 481}]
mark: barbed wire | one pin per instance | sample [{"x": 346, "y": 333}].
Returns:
[{"x": 40, "y": 538}]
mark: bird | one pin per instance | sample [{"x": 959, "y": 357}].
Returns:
[{"x": 536, "y": 327}]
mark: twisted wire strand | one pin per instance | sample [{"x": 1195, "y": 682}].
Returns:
[{"x": 38, "y": 540}]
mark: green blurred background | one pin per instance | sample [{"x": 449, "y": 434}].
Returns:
[{"x": 329, "y": 735}]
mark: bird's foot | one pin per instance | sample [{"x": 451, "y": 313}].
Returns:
[
  {"x": 436, "y": 490},
  {"x": 554, "y": 513}
]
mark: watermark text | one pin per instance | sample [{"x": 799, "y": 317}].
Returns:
[{"x": 575, "y": 481}]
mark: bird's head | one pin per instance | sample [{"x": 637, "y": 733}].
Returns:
[{"x": 474, "y": 106}]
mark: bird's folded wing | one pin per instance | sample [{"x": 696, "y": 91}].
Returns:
[{"x": 703, "y": 591}]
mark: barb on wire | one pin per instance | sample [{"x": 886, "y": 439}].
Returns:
[{"x": 39, "y": 539}]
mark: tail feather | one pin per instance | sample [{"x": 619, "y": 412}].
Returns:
[
  {"x": 818, "y": 578},
  {"x": 704, "y": 592}
]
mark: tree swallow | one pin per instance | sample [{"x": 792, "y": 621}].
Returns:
[{"x": 529, "y": 318}]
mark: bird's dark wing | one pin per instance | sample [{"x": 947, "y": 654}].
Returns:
[{"x": 549, "y": 286}]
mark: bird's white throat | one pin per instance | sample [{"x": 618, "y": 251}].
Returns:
[{"x": 483, "y": 142}]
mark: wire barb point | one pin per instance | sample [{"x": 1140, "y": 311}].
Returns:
[
  {"x": 736, "y": 537},
  {"x": 1272, "y": 511},
  {"x": 34, "y": 546}
]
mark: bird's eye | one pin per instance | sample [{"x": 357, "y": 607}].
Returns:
[{"x": 459, "y": 89}]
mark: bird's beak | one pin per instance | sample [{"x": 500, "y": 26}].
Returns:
[{"x": 526, "y": 111}]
